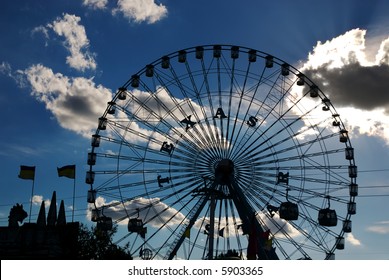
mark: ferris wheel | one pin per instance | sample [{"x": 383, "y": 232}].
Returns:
[{"x": 223, "y": 152}]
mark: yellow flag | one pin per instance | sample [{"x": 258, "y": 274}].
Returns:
[
  {"x": 27, "y": 172},
  {"x": 68, "y": 171},
  {"x": 187, "y": 233}
]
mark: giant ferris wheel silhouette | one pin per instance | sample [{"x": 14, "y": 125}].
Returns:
[{"x": 223, "y": 152}]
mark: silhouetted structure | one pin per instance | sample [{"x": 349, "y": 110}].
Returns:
[{"x": 50, "y": 238}]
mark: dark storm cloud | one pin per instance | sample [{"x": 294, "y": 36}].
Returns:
[
  {"x": 353, "y": 71},
  {"x": 354, "y": 85}
]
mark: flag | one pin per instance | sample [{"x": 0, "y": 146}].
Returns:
[
  {"x": 68, "y": 171},
  {"x": 265, "y": 235},
  {"x": 268, "y": 244},
  {"x": 221, "y": 232},
  {"x": 27, "y": 172},
  {"x": 187, "y": 232}
]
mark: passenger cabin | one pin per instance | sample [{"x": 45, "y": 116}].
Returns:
[
  {"x": 91, "y": 158},
  {"x": 91, "y": 197},
  {"x": 326, "y": 103},
  {"x": 340, "y": 243},
  {"x": 90, "y": 177},
  {"x": 289, "y": 211},
  {"x": 103, "y": 123},
  {"x": 349, "y": 151},
  {"x": 182, "y": 56},
  {"x": 122, "y": 93},
  {"x": 285, "y": 69},
  {"x": 104, "y": 223},
  {"x": 252, "y": 55},
  {"x": 199, "y": 52},
  {"x": 351, "y": 208},
  {"x": 95, "y": 142},
  {"x": 234, "y": 52},
  {"x": 347, "y": 225},
  {"x": 135, "y": 225},
  {"x": 327, "y": 217},
  {"x": 336, "y": 121},
  {"x": 269, "y": 61},
  {"x": 343, "y": 136},
  {"x": 314, "y": 91},
  {"x": 135, "y": 81},
  {"x": 165, "y": 62},
  {"x": 353, "y": 189},
  {"x": 352, "y": 171},
  {"x": 217, "y": 51},
  {"x": 95, "y": 214},
  {"x": 149, "y": 70},
  {"x": 301, "y": 79},
  {"x": 111, "y": 107}
]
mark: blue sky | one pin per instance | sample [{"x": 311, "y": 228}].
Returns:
[{"x": 53, "y": 53}]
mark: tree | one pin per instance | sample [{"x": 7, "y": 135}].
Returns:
[{"x": 96, "y": 244}]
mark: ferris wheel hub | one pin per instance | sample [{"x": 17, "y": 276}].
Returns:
[{"x": 224, "y": 172}]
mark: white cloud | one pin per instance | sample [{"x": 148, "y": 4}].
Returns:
[
  {"x": 76, "y": 42},
  {"x": 16, "y": 151},
  {"x": 95, "y": 4},
  {"x": 137, "y": 11},
  {"x": 383, "y": 53},
  {"x": 381, "y": 227},
  {"x": 151, "y": 102},
  {"x": 41, "y": 29},
  {"x": 17, "y": 76},
  {"x": 147, "y": 105},
  {"x": 141, "y": 10},
  {"x": 339, "y": 51},
  {"x": 5, "y": 69},
  {"x": 76, "y": 103},
  {"x": 155, "y": 212},
  {"x": 371, "y": 123},
  {"x": 225, "y": 228},
  {"x": 279, "y": 227},
  {"x": 355, "y": 81},
  {"x": 37, "y": 200},
  {"x": 350, "y": 238}
]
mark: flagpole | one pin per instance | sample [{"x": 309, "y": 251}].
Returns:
[
  {"x": 74, "y": 192},
  {"x": 69, "y": 171},
  {"x": 32, "y": 194}
]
